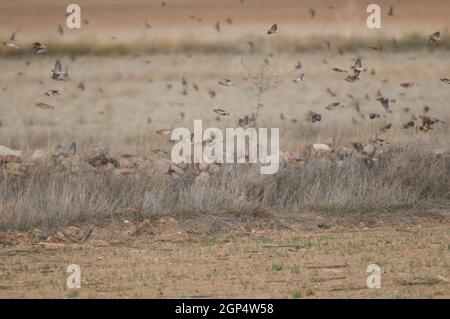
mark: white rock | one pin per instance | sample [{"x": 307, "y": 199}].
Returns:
[
  {"x": 38, "y": 155},
  {"x": 322, "y": 147},
  {"x": 9, "y": 155}
]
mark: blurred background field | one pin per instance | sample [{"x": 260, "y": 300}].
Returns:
[{"x": 121, "y": 26}]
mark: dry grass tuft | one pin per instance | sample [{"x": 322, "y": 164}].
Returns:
[{"x": 405, "y": 177}]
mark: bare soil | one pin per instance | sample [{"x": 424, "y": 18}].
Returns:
[{"x": 307, "y": 255}]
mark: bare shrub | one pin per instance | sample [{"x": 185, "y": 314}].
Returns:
[{"x": 262, "y": 80}]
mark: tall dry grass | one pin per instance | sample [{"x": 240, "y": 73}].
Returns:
[{"x": 407, "y": 177}]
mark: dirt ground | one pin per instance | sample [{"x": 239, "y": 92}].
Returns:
[{"x": 320, "y": 255}]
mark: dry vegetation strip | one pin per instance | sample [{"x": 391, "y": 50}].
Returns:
[{"x": 402, "y": 178}]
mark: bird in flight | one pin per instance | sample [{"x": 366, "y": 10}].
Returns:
[
  {"x": 428, "y": 122},
  {"x": 273, "y": 29},
  {"x": 217, "y": 26},
  {"x": 45, "y": 106},
  {"x": 314, "y": 117},
  {"x": 57, "y": 73},
  {"x": 373, "y": 116},
  {"x": 38, "y": 48},
  {"x": 221, "y": 112},
  {"x": 52, "y": 93},
  {"x": 332, "y": 106},
  {"x": 435, "y": 37},
  {"x": 11, "y": 43},
  {"x": 299, "y": 78},
  {"x": 385, "y": 103},
  {"x": 338, "y": 70},
  {"x": 378, "y": 47},
  {"x": 357, "y": 69},
  {"x": 243, "y": 122},
  {"x": 73, "y": 148},
  {"x": 60, "y": 30},
  {"x": 226, "y": 82},
  {"x": 391, "y": 11}
]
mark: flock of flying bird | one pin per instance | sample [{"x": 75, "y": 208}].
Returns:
[{"x": 57, "y": 74}]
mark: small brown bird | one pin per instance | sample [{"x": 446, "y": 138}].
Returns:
[
  {"x": 373, "y": 116},
  {"x": 332, "y": 106},
  {"x": 184, "y": 81},
  {"x": 428, "y": 122},
  {"x": 330, "y": 91},
  {"x": 57, "y": 73},
  {"x": 378, "y": 47},
  {"x": 351, "y": 78},
  {"x": 445, "y": 80},
  {"x": 52, "y": 93},
  {"x": 385, "y": 103},
  {"x": 435, "y": 37},
  {"x": 221, "y": 112},
  {"x": 299, "y": 78},
  {"x": 409, "y": 124},
  {"x": 60, "y": 30},
  {"x": 391, "y": 11},
  {"x": 339, "y": 70},
  {"x": 38, "y": 48},
  {"x": 273, "y": 29},
  {"x": 193, "y": 17},
  {"x": 217, "y": 26},
  {"x": 12, "y": 42},
  {"x": 226, "y": 82},
  {"x": 357, "y": 69},
  {"x": 45, "y": 106},
  {"x": 243, "y": 122},
  {"x": 314, "y": 117},
  {"x": 407, "y": 85},
  {"x": 386, "y": 127},
  {"x": 73, "y": 148},
  {"x": 358, "y": 147}
]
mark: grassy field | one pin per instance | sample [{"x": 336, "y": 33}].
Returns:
[{"x": 162, "y": 231}]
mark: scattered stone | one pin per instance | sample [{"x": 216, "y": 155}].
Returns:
[
  {"x": 38, "y": 156},
  {"x": 8, "y": 155}
]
